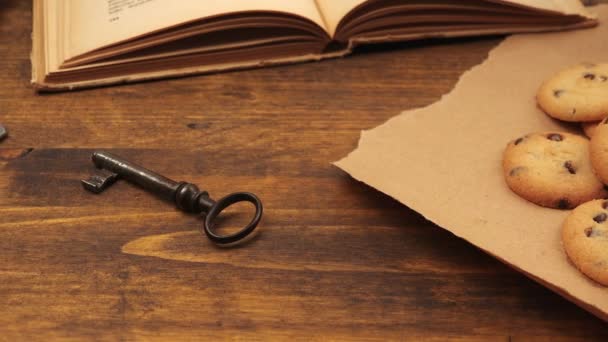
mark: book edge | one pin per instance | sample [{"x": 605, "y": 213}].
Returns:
[
  {"x": 183, "y": 72},
  {"x": 40, "y": 85},
  {"x": 36, "y": 41}
]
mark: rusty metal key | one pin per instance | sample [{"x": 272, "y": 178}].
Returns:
[{"x": 186, "y": 196}]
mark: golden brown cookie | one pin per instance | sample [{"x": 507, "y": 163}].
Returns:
[
  {"x": 598, "y": 151},
  {"x": 552, "y": 170},
  {"x": 579, "y": 93},
  {"x": 589, "y": 128},
  {"x": 585, "y": 239}
]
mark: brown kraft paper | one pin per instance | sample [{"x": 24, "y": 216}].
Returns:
[{"x": 445, "y": 160}]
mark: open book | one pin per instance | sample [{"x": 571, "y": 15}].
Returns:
[{"x": 97, "y": 42}]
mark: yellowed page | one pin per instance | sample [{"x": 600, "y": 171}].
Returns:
[
  {"x": 98, "y": 23},
  {"x": 55, "y": 28},
  {"x": 333, "y": 11},
  {"x": 563, "y": 6}
]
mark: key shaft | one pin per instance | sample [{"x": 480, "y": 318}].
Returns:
[
  {"x": 186, "y": 196},
  {"x": 131, "y": 172}
]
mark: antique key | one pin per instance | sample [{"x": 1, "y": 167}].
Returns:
[{"x": 186, "y": 196}]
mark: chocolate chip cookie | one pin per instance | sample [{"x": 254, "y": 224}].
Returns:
[
  {"x": 598, "y": 151},
  {"x": 585, "y": 239},
  {"x": 552, "y": 170},
  {"x": 576, "y": 94}
]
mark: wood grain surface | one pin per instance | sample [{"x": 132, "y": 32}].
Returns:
[{"x": 334, "y": 260}]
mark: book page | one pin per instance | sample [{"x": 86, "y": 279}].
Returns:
[
  {"x": 563, "y": 6},
  {"x": 333, "y": 11},
  {"x": 94, "y": 24}
]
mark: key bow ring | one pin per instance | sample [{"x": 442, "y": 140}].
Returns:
[{"x": 186, "y": 196}]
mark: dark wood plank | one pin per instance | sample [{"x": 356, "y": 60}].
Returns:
[{"x": 334, "y": 259}]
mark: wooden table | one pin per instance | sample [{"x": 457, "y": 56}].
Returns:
[{"x": 335, "y": 259}]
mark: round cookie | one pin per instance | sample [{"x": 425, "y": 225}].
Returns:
[
  {"x": 585, "y": 239},
  {"x": 589, "y": 128},
  {"x": 598, "y": 151},
  {"x": 552, "y": 170},
  {"x": 579, "y": 93}
]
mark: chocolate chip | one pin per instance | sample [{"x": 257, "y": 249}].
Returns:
[
  {"x": 558, "y": 92},
  {"x": 605, "y": 121},
  {"x": 600, "y": 218},
  {"x": 589, "y": 76},
  {"x": 563, "y": 203},
  {"x": 573, "y": 112},
  {"x": 605, "y": 205},
  {"x": 518, "y": 141},
  {"x": 517, "y": 170},
  {"x": 588, "y": 231},
  {"x": 555, "y": 137},
  {"x": 603, "y": 78},
  {"x": 570, "y": 167}
]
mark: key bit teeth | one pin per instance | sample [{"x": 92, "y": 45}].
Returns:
[{"x": 99, "y": 182}]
